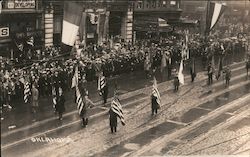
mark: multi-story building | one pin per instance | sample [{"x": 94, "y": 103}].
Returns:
[
  {"x": 20, "y": 19},
  {"x": 125, "y": 18},
  {"x": 43, "y": 19}
]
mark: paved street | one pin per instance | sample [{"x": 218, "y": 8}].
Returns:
[{"x": 210, "y": 106}]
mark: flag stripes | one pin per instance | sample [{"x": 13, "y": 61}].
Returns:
[
  {"x": 75, "y": 78},
  {"x": 26, "y": 92},
  {"x": 117, "y": 108},
  {"x": 79, "y": 100},
  {"x": 31, "y": 41},
  {"x": 101, "y": 83},
  {"x": 54, "y": 96}
]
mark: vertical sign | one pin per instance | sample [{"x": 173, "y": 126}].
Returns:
[{"x": 4, "y": 31}]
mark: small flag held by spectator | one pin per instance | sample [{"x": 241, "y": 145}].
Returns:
[{"x": 31, "y": 41}]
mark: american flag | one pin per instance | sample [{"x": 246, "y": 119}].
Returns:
[
  {"x": 54, "y": 96},
  {"x": 27, "y": 92},
  {"x": 31, "y": 41},
  {"x": 101, "y": 83},
  {"x": 156, "y": 92},
  {"x": 79, "y": 99},
  {"x": 20, "y": 47},
  {"x": 117, "y": 108}
]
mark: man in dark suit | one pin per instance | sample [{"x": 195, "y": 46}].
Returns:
[
  {"x": 210, "y": 74},
  {"x": 105, "y": 93},
  {"x": 112, "y": 120}
]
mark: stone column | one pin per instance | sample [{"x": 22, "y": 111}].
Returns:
[{"x": 48, "y": 25}]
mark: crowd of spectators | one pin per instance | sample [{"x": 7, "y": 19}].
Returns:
[{"x": 111, "y": 59}]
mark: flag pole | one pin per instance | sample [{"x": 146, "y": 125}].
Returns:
[{"x": 206, "y": 32}]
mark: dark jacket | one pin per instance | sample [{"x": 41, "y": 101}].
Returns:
[
  {"x": 154, "y": 103},
  {"x": 112, "y": 118},
  {"x": 60, "y": 104},
  {"x": 176, "y": 81}
]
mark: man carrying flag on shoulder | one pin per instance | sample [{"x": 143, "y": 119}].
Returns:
[
  {"x": 82, "y": 100},
  {"x": 114, "y": 112},
  {"x": 155, "y": 98}
]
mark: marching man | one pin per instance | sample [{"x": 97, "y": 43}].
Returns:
[{"x": 114, "y": 112}]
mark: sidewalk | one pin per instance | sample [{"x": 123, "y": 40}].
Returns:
[{"x": 21, "y": 115}]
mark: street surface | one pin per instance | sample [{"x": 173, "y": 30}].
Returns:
[{"x": 196, "y": 120}]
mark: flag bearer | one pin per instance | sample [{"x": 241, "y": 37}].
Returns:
[
  {"x": 227, "y": 75},
  {"x": 84, "y": 112},
  {"x": 60, "y": 108},
  {"x": 155, "y": 98},
  {"x": 114, "y": 112}
]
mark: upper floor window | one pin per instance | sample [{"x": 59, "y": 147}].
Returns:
[
  {"x": 164, "y": 3},
  {"x": 139, "y": 5},
  {"x": 172, "y": 3}
]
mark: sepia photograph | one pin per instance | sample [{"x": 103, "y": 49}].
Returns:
[{"x": 125, "y": 78}]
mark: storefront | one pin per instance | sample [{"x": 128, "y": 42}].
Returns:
[{"x": 22, "y": 20}]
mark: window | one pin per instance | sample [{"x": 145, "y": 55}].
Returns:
[{"x": 172, "y": 3}]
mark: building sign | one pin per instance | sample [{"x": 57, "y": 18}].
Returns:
[
  {"x": 11, "y": 4},
  {"x": 4, "y": 31},
  {"x": 20, "y": 4}
]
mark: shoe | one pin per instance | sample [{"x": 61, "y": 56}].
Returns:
[{"x": 10, "y": 107}]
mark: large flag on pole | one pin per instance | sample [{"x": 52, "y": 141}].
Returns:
[
  {"x": 156, "y": 92},
  {"x": 79, "y": 99},
  {"x": 180, "y": 73},
  {"x": 214, "y": 14},
  {"x": 71, "y": 21},
  {"x": 162, "y": 22},
  {"x": 116, "y": 107}
]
